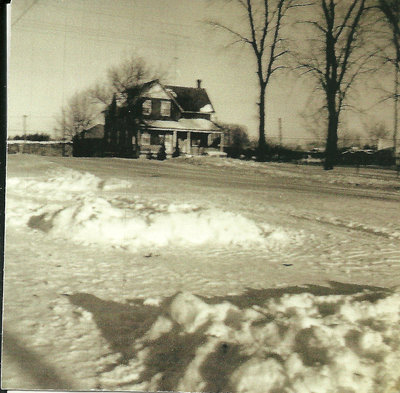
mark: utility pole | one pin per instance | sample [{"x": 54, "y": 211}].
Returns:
[
  {"x": 280, "y": 131},
  {"x": 23, "y": 148},
  {"x": 24, "y": 125},
  {"x": 396, "y": 111}
]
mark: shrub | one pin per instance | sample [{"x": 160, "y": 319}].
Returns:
[
  {"x": 38, "y": 137},
  {"x": 162, "y": 154},
  {"x": 176, "y": 152}
]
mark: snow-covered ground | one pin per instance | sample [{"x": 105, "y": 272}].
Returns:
[{"x": 201, "y": 274}]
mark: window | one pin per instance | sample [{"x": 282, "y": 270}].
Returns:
[
  {"x": 145, "y": 140},
  {"x": 146, "y": 107},
  {"x": 166, "y": 108},
  {"x": 155, "y": 139}
]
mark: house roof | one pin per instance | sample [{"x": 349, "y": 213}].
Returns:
[
  {"x": 136, "y": 91},
  {"x": 96, "y": 132},
  {"x": 191, "y": 99},
  {"x": 199, "y": 125},
  {"x": 188, "y": 99}
]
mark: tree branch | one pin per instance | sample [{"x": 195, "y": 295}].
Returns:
[{"x": 229, "y": 30}]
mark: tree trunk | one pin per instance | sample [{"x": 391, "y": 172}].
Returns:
[
  {"x": 262, "y": 146},
  {"x": 396, "y": 108},
  {"x": 331, "y": 141}
]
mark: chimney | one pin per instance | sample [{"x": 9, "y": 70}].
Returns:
[{"x": 199, "y": 83}]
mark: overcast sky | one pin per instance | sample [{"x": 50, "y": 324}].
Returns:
[{"x": 59, "y": 47}]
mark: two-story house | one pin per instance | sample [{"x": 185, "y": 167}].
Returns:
[{"x": 152, "y": 114}]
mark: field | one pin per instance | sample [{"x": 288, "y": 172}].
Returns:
[{"x": 201, "y": 274}]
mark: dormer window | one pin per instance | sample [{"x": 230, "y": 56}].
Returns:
[
  {"x": 166, "y": 108},
  {"x": 146, "y": 107}
]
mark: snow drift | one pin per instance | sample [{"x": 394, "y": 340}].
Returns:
[
  {"x": 95, "y": 220},
  {"x": 298, "y": 343},
  {"x": 79, "y": 206},
  {"x": 63, "y": 183}
]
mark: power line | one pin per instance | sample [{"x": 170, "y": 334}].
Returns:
[
  {"x": 126, "y": 17},
  {"x": 100, "y": 33},
  {"x": 151, "y": 41},
  {"x": 24, "y": 12}
]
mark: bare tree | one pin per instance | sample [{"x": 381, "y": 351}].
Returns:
[
  {"x": 78, "y": 115},
  {"x": 236, "y": 137},
  {"x": 84, "y": 107},
  {"x": 336, "y": 58},
  {"x": 391, "y": 11},
  {"x": 376, "y": 131},
  {"x": 129, "y": 73},
  {"x": 313, "y": 119},
  {"x": 348, "y": 138},
  {"x": 264, "y": 37}
]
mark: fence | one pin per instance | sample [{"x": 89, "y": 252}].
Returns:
[{"x": 43, "y": 148}]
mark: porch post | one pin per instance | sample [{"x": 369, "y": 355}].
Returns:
[
  {"x": 138, "y": 142},
  {"x": 174, "y": 140},
  {"x": 189, "y": 142},
  {"x": 209, "y": 140},
  {"x": 221, "y": 144}
]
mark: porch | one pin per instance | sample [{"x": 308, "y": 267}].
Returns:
[{"x": 188, "y": 142}]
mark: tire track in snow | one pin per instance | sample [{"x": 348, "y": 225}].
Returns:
[{"x": 355, "y": 226}]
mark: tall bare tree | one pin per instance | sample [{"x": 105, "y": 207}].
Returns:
[
  {"x": 78, "y": 115},
  {"x": 391, "y": 11},
  {"x": 263, "y": 35},
  {"x": 85, "y": 106},
  {"x": 376, "y": 131},
  {"x": 130, "y": 72},
  {"x": 336, "y": 58},
  {"x": 235, "y": 137},
  {"x": 313, "y": 119}
]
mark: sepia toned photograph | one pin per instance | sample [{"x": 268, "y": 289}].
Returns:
[{"x": 202, "y": 196}]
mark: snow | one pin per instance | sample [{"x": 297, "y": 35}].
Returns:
[
  {"x": 183, "y": 124},
  {"x": 349, "y": 176},
  {"x": 19, "y": 141},
  {"x": 135, "y": 224},
  {"x": 296, "y": 349},
  {"x": 207, "y": 109},
  {"x": 118, "y": 280}
]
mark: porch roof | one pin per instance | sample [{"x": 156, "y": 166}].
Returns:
[{"x": 198, "y": 125}]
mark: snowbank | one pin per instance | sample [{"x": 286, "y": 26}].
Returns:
[
  {"x": 62, "y": 183},
  {"x": 96, "y": 220},
  {"x": 298, "y": 343},
  {"x": 27, "y": 142},
  {"x": 76, "y": 206}
]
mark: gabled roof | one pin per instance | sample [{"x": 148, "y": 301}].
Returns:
[
  {"x": 188, "y": 99},
  {"x": 191, "y": 99},
  {"x": 136, "y": 91},
  {"x": 95, "y": 132}
]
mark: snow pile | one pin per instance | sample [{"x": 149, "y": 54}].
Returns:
[
  {"x": 26, "y": 196},
  {"x": 96, "y": 220},
  {"x": 62, "y": 184},
  {"x": 79, "y": 206},
  {"x": 299, "y": 343}
]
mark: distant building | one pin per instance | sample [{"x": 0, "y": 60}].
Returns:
[
  {"x": 89, "y": 143},
  {"x": 385, "y": 144},
  {"x": 153, "y": 115}
]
